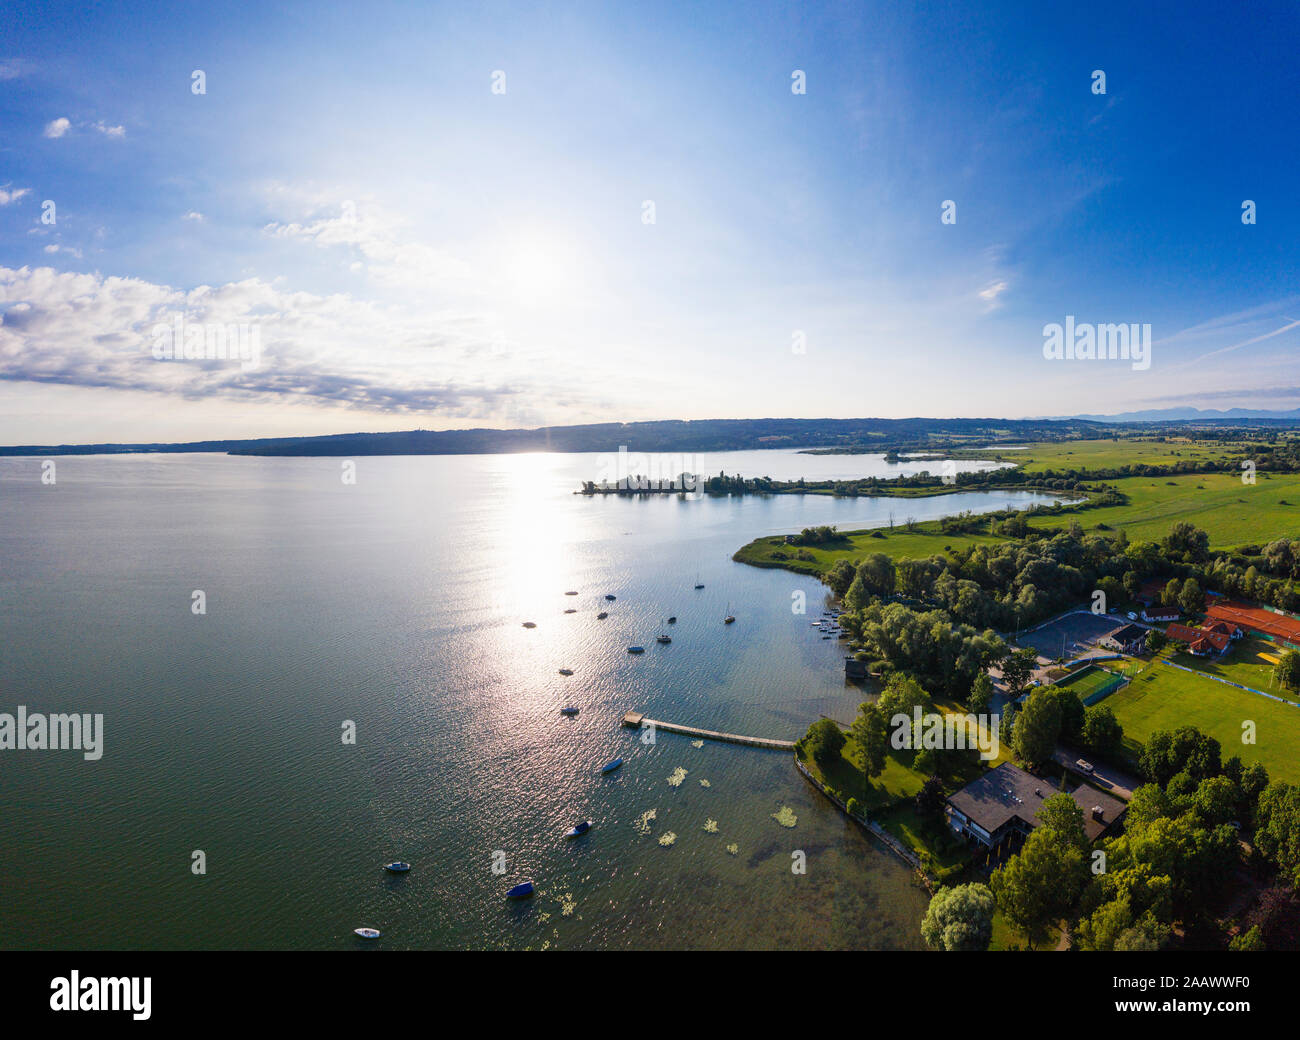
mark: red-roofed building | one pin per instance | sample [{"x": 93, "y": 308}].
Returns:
[
  {"x": 1200, "y": 641},
  {"x": 1278, "y": 628}
]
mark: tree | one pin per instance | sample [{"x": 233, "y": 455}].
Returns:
[
  {"x": 930, "y": 799},
  {"x": 1072, "y": 713},
  {"x": 870, "y": 733},
  {"x": 1064, "y": 815},
  {"x": 901, "y": 695},
  {"x": 1102, "y": 732},
  {"x": 1251, "y": 941},
  {"x": 824, "y": 742},
  {"x": 1038, "y": 726},
  {"x": 1169, "y": 597},
  {"x": 1168, "y": 753},
  {"x": 1156, "y": 640},
  {"x": 959, "y": 918},
  {"x": 1191, "y": 600},
  {"x": 840, "y": 577},
  {"x": 1039, "y": 886},
  {"x": 981, "y": 694},
  {"x": 1287, "y": 670},
  {"x": 1017, "y": 668},
  {"x": 1277, "y": 834},
  {"x": 1216, "y": 800}
]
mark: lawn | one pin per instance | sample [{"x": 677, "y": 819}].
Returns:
[
  {"x": 1114, "y": 453},
  {"x": 1164, "y": 698},
  {"x": 1242, "y": 664},
  {"x": 1231, "y": 513}
]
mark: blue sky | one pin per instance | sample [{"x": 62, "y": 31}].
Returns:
[{"x": 416, "y": 250}]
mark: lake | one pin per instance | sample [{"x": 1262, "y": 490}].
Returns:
[{"x": 397, "y": 604}]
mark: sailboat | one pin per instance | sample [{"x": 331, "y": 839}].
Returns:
[
  {"x": 663, "y": 637},
  {"x": 698, "y": 584},
  {"x": 730, "y": 618}
]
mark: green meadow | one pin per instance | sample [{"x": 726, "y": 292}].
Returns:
[
  {"x": 1232, "y": 513},
  {"x": 1164, "y": 698}
]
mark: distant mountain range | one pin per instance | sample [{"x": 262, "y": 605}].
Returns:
[
  {"x": 1191, "y": 415},
  {"x": 699, "y": 435},
  {"x": 659, "y": 436}
]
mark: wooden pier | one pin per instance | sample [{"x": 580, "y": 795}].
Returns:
[{"x": 639, "y": 721}]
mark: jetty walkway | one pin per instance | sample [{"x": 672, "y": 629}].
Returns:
[{"x": 636, "y": 720}]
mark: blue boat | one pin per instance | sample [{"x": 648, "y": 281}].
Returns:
[
  {"x": 366, "y": 933},
  {"x": 397, "y": 867},
  {"x": 609, "y": 767},
  {"x": 521, "y": 891},
  {"x": 636, "y": 649},
  {"x": 568, "y": 711},
  {"x": 611, "y": 597},
  {"x": 581, "y": 828}
]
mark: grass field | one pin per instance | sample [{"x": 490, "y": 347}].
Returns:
[
  {"x": 1087, "y": 682},
  {"x": 1230, "y": 512},
  {"x": 1242, "y": 664},
  {"x": 1164, "y": 698},
  {"x": 1112, "y": 454}
]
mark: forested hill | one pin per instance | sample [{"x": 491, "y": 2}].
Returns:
[{"x": 660, "y": 436}]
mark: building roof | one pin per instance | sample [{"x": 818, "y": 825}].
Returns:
[
  {"x": 1008, "y": 791},
  {"x": 1128, "y": 634},
  {"x": 1157, "y": 611},
  {"x": 1244, "y": 615},
  {"x": 1199, "y": 639}
]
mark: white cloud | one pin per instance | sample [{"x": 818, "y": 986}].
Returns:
[
  {"x": 194, "y": 215},
  {"x": 53, "y": 248},
  {"x": 992, "y": 292},
  {"x": 12, "y": 195},
  {"x": 12, "y": 68},
  {"x": 72, "y": 329},
  {"x": 110, "y": 131},
  {"x": 57, "y": 127},
  {"x": 365, "y": 228}
]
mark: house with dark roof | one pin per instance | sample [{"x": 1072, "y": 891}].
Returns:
[
  {"x": 1000, "y": 809},
  {"x": 1131, "y": 639},
  {"x": 1159, "y": 613}
]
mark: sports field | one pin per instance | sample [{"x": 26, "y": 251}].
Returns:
[
  {"x": 1249, "y": 662},
  {"x": 1164, "y": 698},
  {"x": 1091, "y": 683}
]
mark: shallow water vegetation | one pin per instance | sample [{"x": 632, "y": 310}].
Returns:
[
  {"x": 705, "y": 783},
  {"x": 733, "y": 849},
  {"x": 642, "y": 823},
  {"x": 711, "y": 826},
  {"x": 678, "y": 775},
  {"x": 667, "y": 838},
  {"x": 785, "y": 816}
]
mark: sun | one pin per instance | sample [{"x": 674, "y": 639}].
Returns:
[{"x": 540, "y": 271}]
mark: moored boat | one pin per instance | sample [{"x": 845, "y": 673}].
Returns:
[
  {"x": 568, "y": 711},
  {"x": 366, "y": 933},
  {"x": 581, "y": 828},
  {"x": 397, "y": 867},
  {"x": 609, "y": 767},
  {"x": 521, "y": 891}
]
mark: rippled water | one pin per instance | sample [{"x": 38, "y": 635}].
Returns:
[{"x": 398, "y": 603}]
